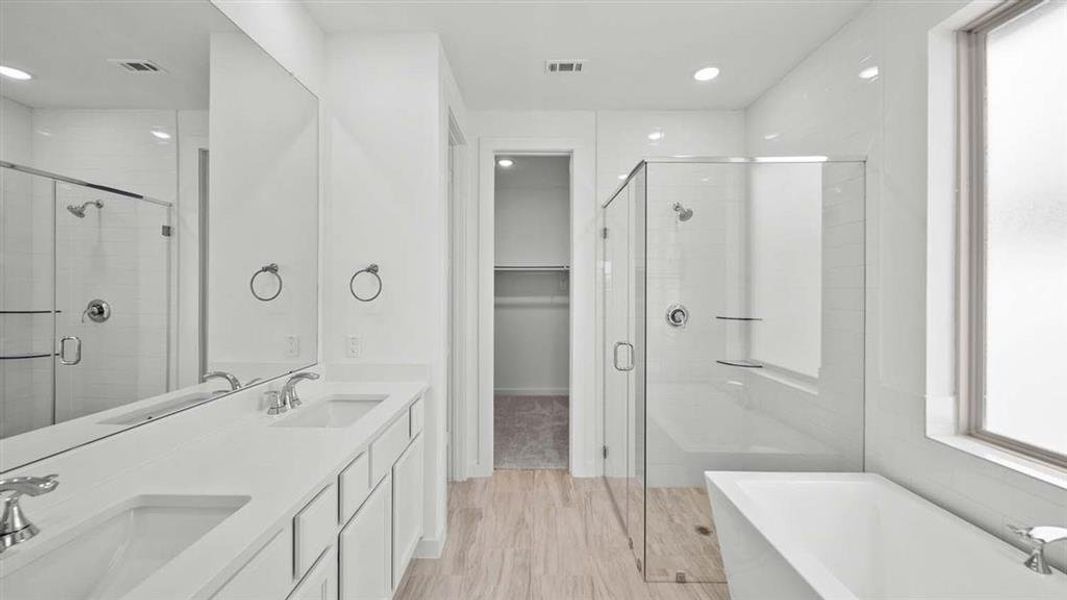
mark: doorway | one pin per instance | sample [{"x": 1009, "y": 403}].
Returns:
[{"x": 531, "y": 311}]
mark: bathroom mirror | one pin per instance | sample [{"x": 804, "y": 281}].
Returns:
[{"x": 159, "y": 213}]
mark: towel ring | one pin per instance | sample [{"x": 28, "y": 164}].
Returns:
[
  {"x": 272, "y": 268},
  {"x": 371, "y": 270}
]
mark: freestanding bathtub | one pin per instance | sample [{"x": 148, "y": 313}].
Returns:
[{"x": 791, "y": 536}]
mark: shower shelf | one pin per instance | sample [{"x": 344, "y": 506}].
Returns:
[
  {"x": 26, "y": 356},
  {"x": 532, "y": 268},
  {"x": 722, "y": 318},
  {"x": 29, "y": 312},
  {"x": 741, "y": 362}
]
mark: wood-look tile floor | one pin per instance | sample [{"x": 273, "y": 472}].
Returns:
[{"x": 537, "y": 535}]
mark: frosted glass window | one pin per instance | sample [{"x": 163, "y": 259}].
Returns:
[{"x": 1025, "y": 246}]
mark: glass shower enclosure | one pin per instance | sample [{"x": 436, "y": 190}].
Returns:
[
  {"x": 85, "y": 298},
  {"x": 733, "y": 310}
]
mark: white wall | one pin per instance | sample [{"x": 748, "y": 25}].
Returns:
[
  {"x": 286, "y": 30},
  {"x": 264, "y": 209},
  {"x": 391, "y": 97},
  {"x": 533, "y": 212},
  {"x": 823, "y": 107}
]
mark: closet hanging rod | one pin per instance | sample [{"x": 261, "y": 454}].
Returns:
[{"x": 532, "y": 268}]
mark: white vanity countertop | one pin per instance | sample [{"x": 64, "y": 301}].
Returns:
[{"x": 279, "y": 468}]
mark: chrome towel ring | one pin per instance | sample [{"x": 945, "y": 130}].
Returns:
[
  {"x": 371, "y": 270},
  {"x": 272, "y": 268}
]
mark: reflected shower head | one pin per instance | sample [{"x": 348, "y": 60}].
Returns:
[
  {"x": 684, "y": 214},
  {"x": 79, "y": 211}
]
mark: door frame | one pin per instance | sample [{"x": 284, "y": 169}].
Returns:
[{"x": 581, "y": 290}]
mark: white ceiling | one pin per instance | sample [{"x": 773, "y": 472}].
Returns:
[
  {"x": 641, "y": 55},
  {"x": 66, "y": 46}
]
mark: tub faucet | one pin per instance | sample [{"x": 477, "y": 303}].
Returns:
[
  {"x": 289, "y": 397},
  {"x": 1039, "y": 537},
  {"x": 235, "y": 384},
  {"x": 15, "y": 527}
]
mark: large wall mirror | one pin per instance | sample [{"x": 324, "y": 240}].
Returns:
[{"x": 159, "y": 214}]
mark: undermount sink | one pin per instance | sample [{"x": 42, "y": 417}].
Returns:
[
  {"x": 163, "y": 409},
  {"x": 112, "y": 553},
  {"x": 332, "y": 411}
]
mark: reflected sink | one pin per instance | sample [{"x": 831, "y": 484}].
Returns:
[
  {"x": 162, "y": 409},
  {"x": 115, "y": 551},
  {"x": 339, "y": 410}
]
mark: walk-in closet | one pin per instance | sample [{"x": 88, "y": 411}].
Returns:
[{"x": 531, "y": 400}]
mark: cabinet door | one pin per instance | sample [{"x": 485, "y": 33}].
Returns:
[
  {"x": 407, "y": 507},
  {"x": 321, "y": 581},
  {"x": 366, "y": 547}
]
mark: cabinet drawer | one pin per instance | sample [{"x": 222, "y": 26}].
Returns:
[
  {"x": 267, "y": 576},
  {"x": 387, "y": 448},
  {"x": 321, "y": 581},
  {"x": 354, "y": 483},
  {"x": 416, "y": 417},
  {"x": 313, "y": 529}
]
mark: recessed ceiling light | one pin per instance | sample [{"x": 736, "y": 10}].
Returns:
[
  {"x": 869, "y": 73},
  {"x": 706, "y": 74},
  {"x": 656, "y": 135},
  {"x": 505, "y": 162},
  {"x": 13, "y": 73},
  {"x": 163, "y": 135},
  {"x": 771, "y": 136}
]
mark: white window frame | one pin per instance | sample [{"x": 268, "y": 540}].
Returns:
[{"x": 972, "y": 227}]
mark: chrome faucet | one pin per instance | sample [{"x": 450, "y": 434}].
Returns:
[
  {"x": 235, "y": 384},
  {"x": 15, "y": 527},
  {"x": 289, "y": 397},
  {"x": 1039, "y": 537}
]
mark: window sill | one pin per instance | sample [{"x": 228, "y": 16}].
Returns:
[{"x": 1023, "y": 465}]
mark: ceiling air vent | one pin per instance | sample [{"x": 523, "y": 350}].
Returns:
[
  {"x": 565, "y": 66},
  {"x": 135, "y": 65}
]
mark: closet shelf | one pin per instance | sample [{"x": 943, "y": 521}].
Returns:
[
  {"x": 532, "y": 268},
  {"x": 533, "y": 301},
  {"x": 741, "y": 362}
]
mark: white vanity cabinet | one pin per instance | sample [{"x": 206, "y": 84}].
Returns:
[
  {"x": 366, "y": 545},
  {"x": 407, "y": 507},
  {"x": 356, "y": 537}
]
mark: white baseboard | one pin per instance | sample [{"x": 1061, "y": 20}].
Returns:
[
  {"x": 531, "y": 392},
  {"x": 432, "y": 547}
]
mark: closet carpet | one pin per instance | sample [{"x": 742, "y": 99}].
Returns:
[{"x": 531, "y": 432}]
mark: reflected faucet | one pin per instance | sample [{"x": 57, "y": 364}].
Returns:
[
  {"x": 1039, "y": 537},
  {"x": 15, "y": 527},
  {"x": 289, "y": 397},
  {"x": 235, "y": 384}
]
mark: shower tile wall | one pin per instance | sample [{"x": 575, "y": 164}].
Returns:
[
  {"x": 125, "y": 358},
  {"x": 703, "y": 415}
]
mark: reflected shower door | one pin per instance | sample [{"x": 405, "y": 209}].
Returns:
[
  {"x": 112, "y": 290},
  {"x": 26, "y": 302}
]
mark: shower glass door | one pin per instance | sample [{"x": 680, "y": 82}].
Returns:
[
  {"x": 112, "y": 283},
  {"x": 623, "y": 281}
]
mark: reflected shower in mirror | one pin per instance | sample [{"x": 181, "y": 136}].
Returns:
[{"x": 152, "y": 162}]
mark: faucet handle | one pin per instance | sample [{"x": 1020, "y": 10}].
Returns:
[{"x": 30, "y": 486}]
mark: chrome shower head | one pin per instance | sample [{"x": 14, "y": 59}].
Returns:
[
  {"x": 79, "y": 211},
  {"x": 684, "y": 214}
]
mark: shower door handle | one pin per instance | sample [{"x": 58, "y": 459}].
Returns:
[
  {"x": 63, "y": 350},
  {"x": 615, "y": 356}
]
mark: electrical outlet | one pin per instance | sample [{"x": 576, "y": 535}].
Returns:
[
  {"x": 292, "y": 345},
  {"x": 354, "y": 347}
]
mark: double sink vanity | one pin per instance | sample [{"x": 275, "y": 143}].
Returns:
[{"x": 322, "y": 501}]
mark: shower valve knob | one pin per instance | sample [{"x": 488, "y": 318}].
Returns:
[
  {"x": 97, "y": 310},
  {"x": 677, "y": 315}
]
